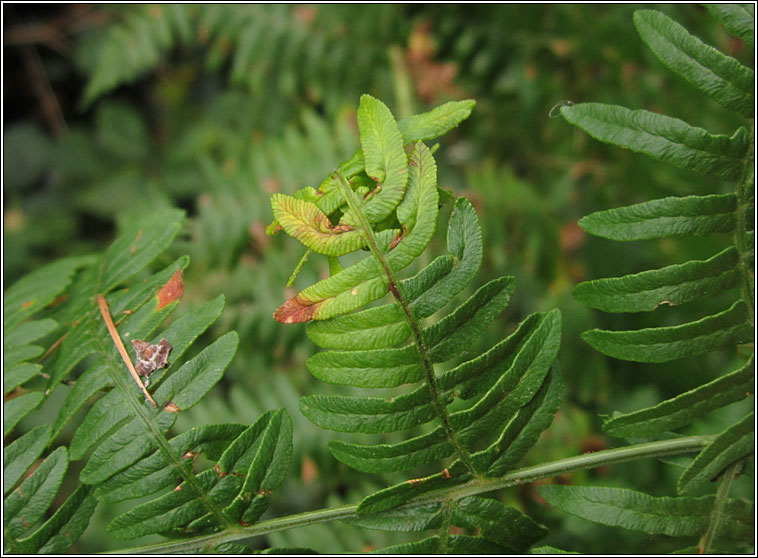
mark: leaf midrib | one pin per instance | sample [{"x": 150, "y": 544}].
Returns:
[{"x": 426, "y": 361}]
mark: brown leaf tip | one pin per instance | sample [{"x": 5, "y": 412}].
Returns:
[
  {"x": 295, "y": 311},
  {"x": 172, "y": 290}
]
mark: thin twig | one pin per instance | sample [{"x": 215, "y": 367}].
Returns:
[
  {"x": 120, "y": 345},
  {"x": 51, "y": 108}
]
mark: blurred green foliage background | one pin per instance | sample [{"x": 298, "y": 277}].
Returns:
[{"x": 115, "y": 110}]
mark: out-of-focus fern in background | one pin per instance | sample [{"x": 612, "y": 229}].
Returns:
[{"x": 112, "y": 111}]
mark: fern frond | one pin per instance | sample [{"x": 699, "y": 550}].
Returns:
[
  {"x": 675, "y": 517},
  {"x": 130, "y": 455},
  {"x": 730, "y": 158},
  {"x": 510, "y": 391},
  {"x": 281, "y": 51}
]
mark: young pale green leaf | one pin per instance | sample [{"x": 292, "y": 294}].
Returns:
[
  {"x": 155, "y": 472},
  {"x": 720, "y": 77},
  {"x": 305, "y": 222},
  {"x": 466, "y": 323},
  {"x": 17, "y": 408},
  {"x": 384, "y": 159},
  {"x": 137, "y": 246},
  {"x": 436, "y": 122},
  {"x": 689, "y": 215},
  {"x": 39, "y": 288},
  {"x": 523, "y": 431},
  {"x": 733, "y": 444},
  {"x": 348, "y": 290},
  {"x": 375, "y": 328},
  {"x": 27, "y": 504},
  {"x": 418, "y": 210},
  {"x": 19, "y": 455},
  {"x": 497, "y": 522},
  {"x": 662, "y": 137},
  {"x": 739, "y": 20},
  {"x": 662, "y": 344},
  {"x": 417, "y": 518},
  {"x": 381, "y": 327},
  {"x": 59, "y": 532},
  {"x": 377, "y": 368},
  {"x": 672, "y": 285},
  {"x": 682, "y": 409},
  {"x": 620, "y": 507}
]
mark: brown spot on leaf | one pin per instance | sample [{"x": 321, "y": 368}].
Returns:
[
  {"x": 295, "y": 311},
  {"x": 171, "y": 407},
  {"x": 172, "y": 290},
  {"x": 445, "y": 473},
  {"x": 189, "y": 455},
  {"x": 27, "y": 304},
  {"x": 417, "y": 481},
  {"x": 178, "y": 488}
]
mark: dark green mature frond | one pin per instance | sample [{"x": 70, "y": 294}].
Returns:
[
  {"x": 122, "y": 434},
  {"x": 292, "y": 51},
  {"x": 385, "y": 198},
  {"x": 729, "y": 273}
]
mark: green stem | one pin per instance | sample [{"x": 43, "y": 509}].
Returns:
[
  {"x": 430, "y": 376},
  {"x": 445, "y": 529},
  {"x": 722, "y": 495},
  {"x": 526, "y": 475},
  {"x": 745, "y": 199}
]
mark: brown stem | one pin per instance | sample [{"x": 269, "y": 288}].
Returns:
[{"x": 120, "y": 345}]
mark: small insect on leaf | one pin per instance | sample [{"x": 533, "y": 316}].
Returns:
[{"x": 150, "y": 357}]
